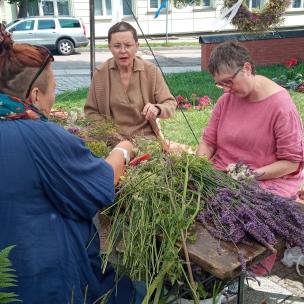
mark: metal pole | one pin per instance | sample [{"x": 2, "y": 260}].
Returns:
[
  {"x": 92, "y": 38},
  {"x": 240, "y": 299},
  {"x": 167, "y": 23}
]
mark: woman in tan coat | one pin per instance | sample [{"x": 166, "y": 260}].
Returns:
[{"x": 127, "y": 89}]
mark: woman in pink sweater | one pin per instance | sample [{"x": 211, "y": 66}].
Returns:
[{"x": 254, "y": 121}]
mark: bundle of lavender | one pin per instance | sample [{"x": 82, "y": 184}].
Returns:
[{"x": 246, "y": 210}]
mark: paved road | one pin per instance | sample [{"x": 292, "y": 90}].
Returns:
[{"x": 73, "y": 71}]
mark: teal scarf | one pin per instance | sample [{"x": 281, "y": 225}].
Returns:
[{"x": 12, "y": 108}]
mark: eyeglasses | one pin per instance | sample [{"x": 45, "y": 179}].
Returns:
[
  {"x": 119, "y": 47},
  {"x": 48, "y": 58},
  {"x": 228, "y": 83}
]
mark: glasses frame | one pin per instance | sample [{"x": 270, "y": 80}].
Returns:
[
  {"x": 229, "y": 82},
  {"x": 119, "y": 47},
  {"x": 48, "y": 58}
]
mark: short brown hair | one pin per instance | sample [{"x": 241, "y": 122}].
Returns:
[
  {"x": 18, "y": 65},
  {"x": 122, "y": 27},
  {"x": 231, "y": 55}
]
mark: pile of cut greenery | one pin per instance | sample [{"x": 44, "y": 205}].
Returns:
[
  {"x": 159, "y": 200},
  {"x": 157, "y": 205}
]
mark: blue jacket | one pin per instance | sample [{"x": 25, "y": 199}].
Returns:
[{"x": 51, "y": 187}]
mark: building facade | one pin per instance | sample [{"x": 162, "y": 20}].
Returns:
[{"x": 199, "y": 17}]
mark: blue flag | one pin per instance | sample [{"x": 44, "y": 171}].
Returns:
[{"x": 163, "y": 4}]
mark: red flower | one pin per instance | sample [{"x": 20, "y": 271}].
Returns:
[
  {"x": 291, "y": 62},
  {"x": 204, "y": 101},
  {"x": 187, "y": 105},
  {"x": 180, "y": 99}
]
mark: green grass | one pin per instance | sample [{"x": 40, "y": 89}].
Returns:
[
  {"x": 71, "y": 99},
  {"x": 200, "y": 83}
]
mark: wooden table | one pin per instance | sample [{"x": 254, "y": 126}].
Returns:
[{"x": 224, "y": 263}]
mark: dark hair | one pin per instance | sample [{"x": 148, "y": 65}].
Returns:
[
  {"x": 122, "y": 27},
  {"x": 18, "y": 65},
  {"x": 229, "y": 55}
]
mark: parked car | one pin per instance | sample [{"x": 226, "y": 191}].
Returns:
[{"x": 56, "y": 33}]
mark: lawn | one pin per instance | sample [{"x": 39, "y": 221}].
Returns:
[{"x": 187, "y": 124}]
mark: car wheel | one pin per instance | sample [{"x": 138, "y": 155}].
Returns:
[{"x": 65, "y": 47}]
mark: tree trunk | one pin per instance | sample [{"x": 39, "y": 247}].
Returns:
[{"x": 23, "y": 9}]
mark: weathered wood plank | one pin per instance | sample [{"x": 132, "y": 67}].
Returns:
[{"x": 224, "y": 263}]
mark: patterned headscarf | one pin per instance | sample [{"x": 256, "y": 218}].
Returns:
[{"x": 12, "y": 108}]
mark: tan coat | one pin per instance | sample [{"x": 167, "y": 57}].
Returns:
[{"x": 146, "y": 85}]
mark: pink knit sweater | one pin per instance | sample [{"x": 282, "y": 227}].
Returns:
[{"x": 258, "y": 133}]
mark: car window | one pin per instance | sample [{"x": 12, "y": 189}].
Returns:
[
  {"x": 69, "y": 23},
  {"x": 12, "y": 22},
  {"x": 24, "y": 26},
  {"x": 46, "y": 24}
]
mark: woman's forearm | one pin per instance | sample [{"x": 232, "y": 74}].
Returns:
[{"x": 276, "y": 170}]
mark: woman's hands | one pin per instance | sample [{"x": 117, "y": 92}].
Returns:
[
  {"x": 117, "y": 158},
  {"x": 151, "y": 111}
]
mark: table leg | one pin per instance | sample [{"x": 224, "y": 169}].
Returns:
[{"x": 240, "y": 299}]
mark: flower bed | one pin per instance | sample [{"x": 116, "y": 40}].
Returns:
[
  {"x": 196, "y": 102},
  {"x": 291, "y": 79}
]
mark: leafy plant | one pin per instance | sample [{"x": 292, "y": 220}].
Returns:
[
  {"x": 291, "y": 79},
  {"x": 7, "y": 278}
]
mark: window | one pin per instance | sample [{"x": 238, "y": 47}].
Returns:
[
  {"x": 127, "y": 7},
  {"x": 48, "y": 8},
  {"x": 154, "y": 3},
  {"x": 69, "y": 23},
  {"x": 297, "y": 4},
  {"x": 54, "y": 7},
  {"x": 204, "y": 3},
  {"x": 257, "y": 4},
  {"x": 46, "y": 24},
  {"x": 63, "y": 8},
  {"x": 24, "y": 26},
  {"x": 103, "y": 8}
]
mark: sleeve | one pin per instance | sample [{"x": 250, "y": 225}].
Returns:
[
  {"x": 163, "y": 97},
  {"x": 76, "y": 182},
  {"x": 91, "y": 109},
  {"x": 209, "y": 134},
  {"x": 289, "y": 136}
]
